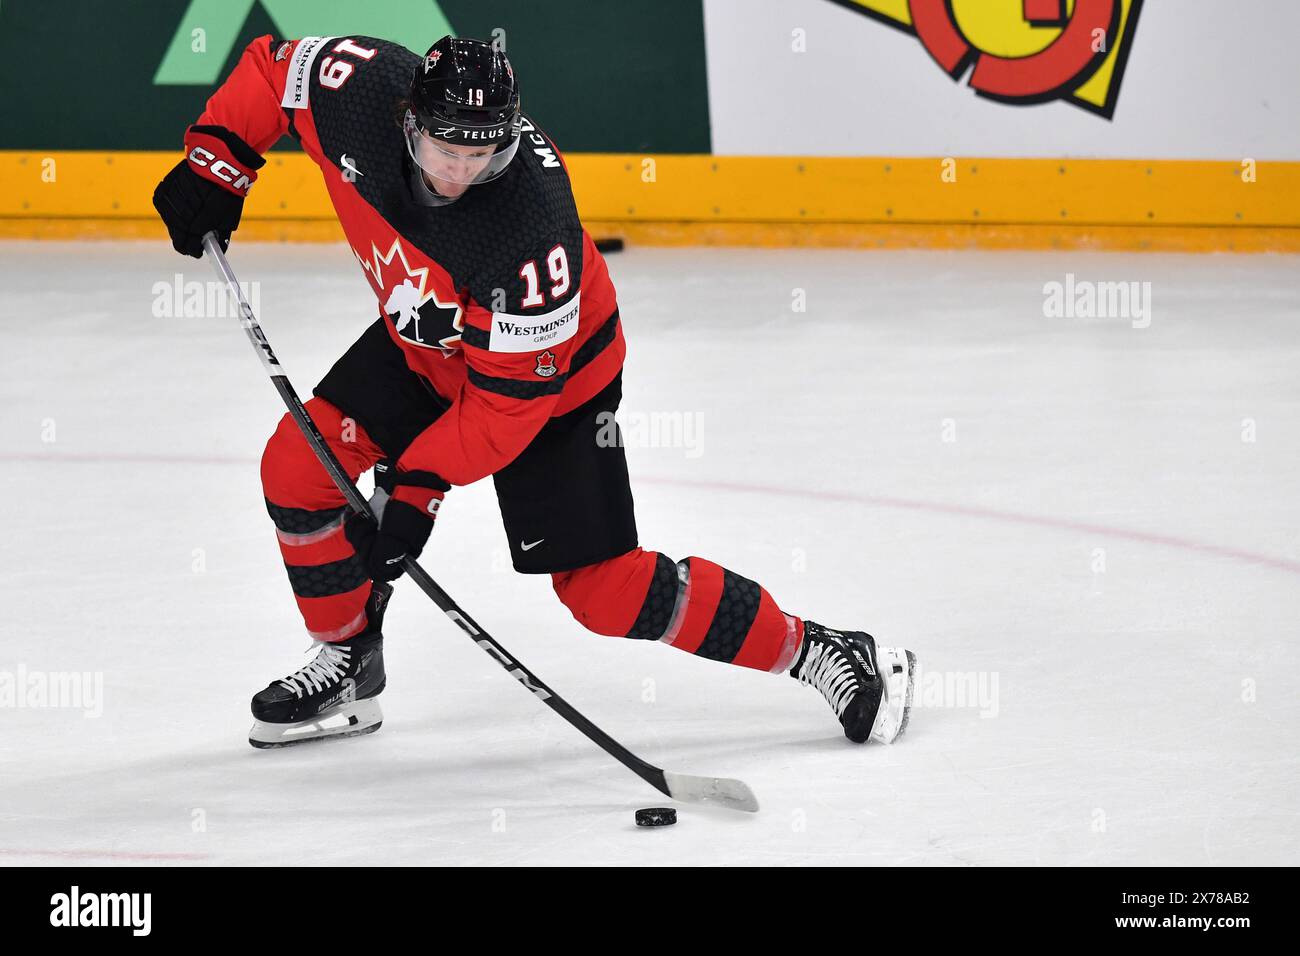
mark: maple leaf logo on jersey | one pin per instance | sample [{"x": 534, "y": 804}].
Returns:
[
  {"x": 411, "y": 302},
  {"x": 546, "y": 364},
  {"x": 431, "y": 60}
]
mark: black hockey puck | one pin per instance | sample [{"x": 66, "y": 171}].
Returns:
[
  {"x": 656, "y": 817},
  {"x": 609, "y": 244}
]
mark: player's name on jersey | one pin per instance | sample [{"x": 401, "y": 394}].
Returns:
[{"x": 538, "y": 142}]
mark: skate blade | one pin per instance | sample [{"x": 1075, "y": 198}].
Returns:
[
  {"x": 350, "y": 720},
  {"x": 897, "y": 667}
]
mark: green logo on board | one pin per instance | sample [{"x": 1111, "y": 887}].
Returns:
[{"x": 209, "y": 30}]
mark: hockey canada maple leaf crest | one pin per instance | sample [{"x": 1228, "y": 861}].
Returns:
[
  {"x": 546, "y": 364},
  {"x": 411, "y": 302}
]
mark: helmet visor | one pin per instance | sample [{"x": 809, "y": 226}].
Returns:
[{"x": 450, "y": 162}]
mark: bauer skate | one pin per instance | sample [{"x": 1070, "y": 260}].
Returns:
[
  {"x": 334, "y": 695},
  {"x": 869, "y": 687}
]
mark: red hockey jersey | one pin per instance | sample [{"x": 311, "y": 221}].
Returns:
[{"x": 500, "y": 299}]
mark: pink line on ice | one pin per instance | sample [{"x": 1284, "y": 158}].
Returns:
[
  {"x": 105, "y": 855},
  {"x": 130, "y": 458},
  {"x": 880, "y": 501},
  {"x": 991, "y": 514}
]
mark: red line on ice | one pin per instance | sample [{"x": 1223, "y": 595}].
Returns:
[
  {"x": 992, "y": 514},
  {"x": 881, "y": 501},
  {"x": 105, "y": 854}
]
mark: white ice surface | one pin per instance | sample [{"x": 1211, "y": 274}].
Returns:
[{"x": 1145, "y": 713}]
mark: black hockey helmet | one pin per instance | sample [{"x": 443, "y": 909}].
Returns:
[{"x": 463, "y": 94}]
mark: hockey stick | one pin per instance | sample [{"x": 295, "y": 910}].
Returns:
[{"x": 721, "y": 791}]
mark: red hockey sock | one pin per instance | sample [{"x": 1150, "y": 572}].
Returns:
[
  {"x": 695, "y": 605},
  {"x": 328, "y": 580}
]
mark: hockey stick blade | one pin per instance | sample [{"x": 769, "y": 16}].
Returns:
[{"x": 714, "y": 791}]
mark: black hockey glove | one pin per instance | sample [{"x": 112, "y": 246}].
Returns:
[
  {"x": 205, "y": 191},
  {"x": 407, "y": 523}
]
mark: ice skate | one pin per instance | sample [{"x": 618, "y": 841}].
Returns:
[
  {"x": 869, "y": 687},
  {"x": 334, "y": 695}
]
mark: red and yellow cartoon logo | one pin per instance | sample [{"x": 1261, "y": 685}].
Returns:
[{"x": 1022, "y": 51}]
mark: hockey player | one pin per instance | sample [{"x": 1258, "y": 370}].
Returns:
[{"x": 497, "y": 348}]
